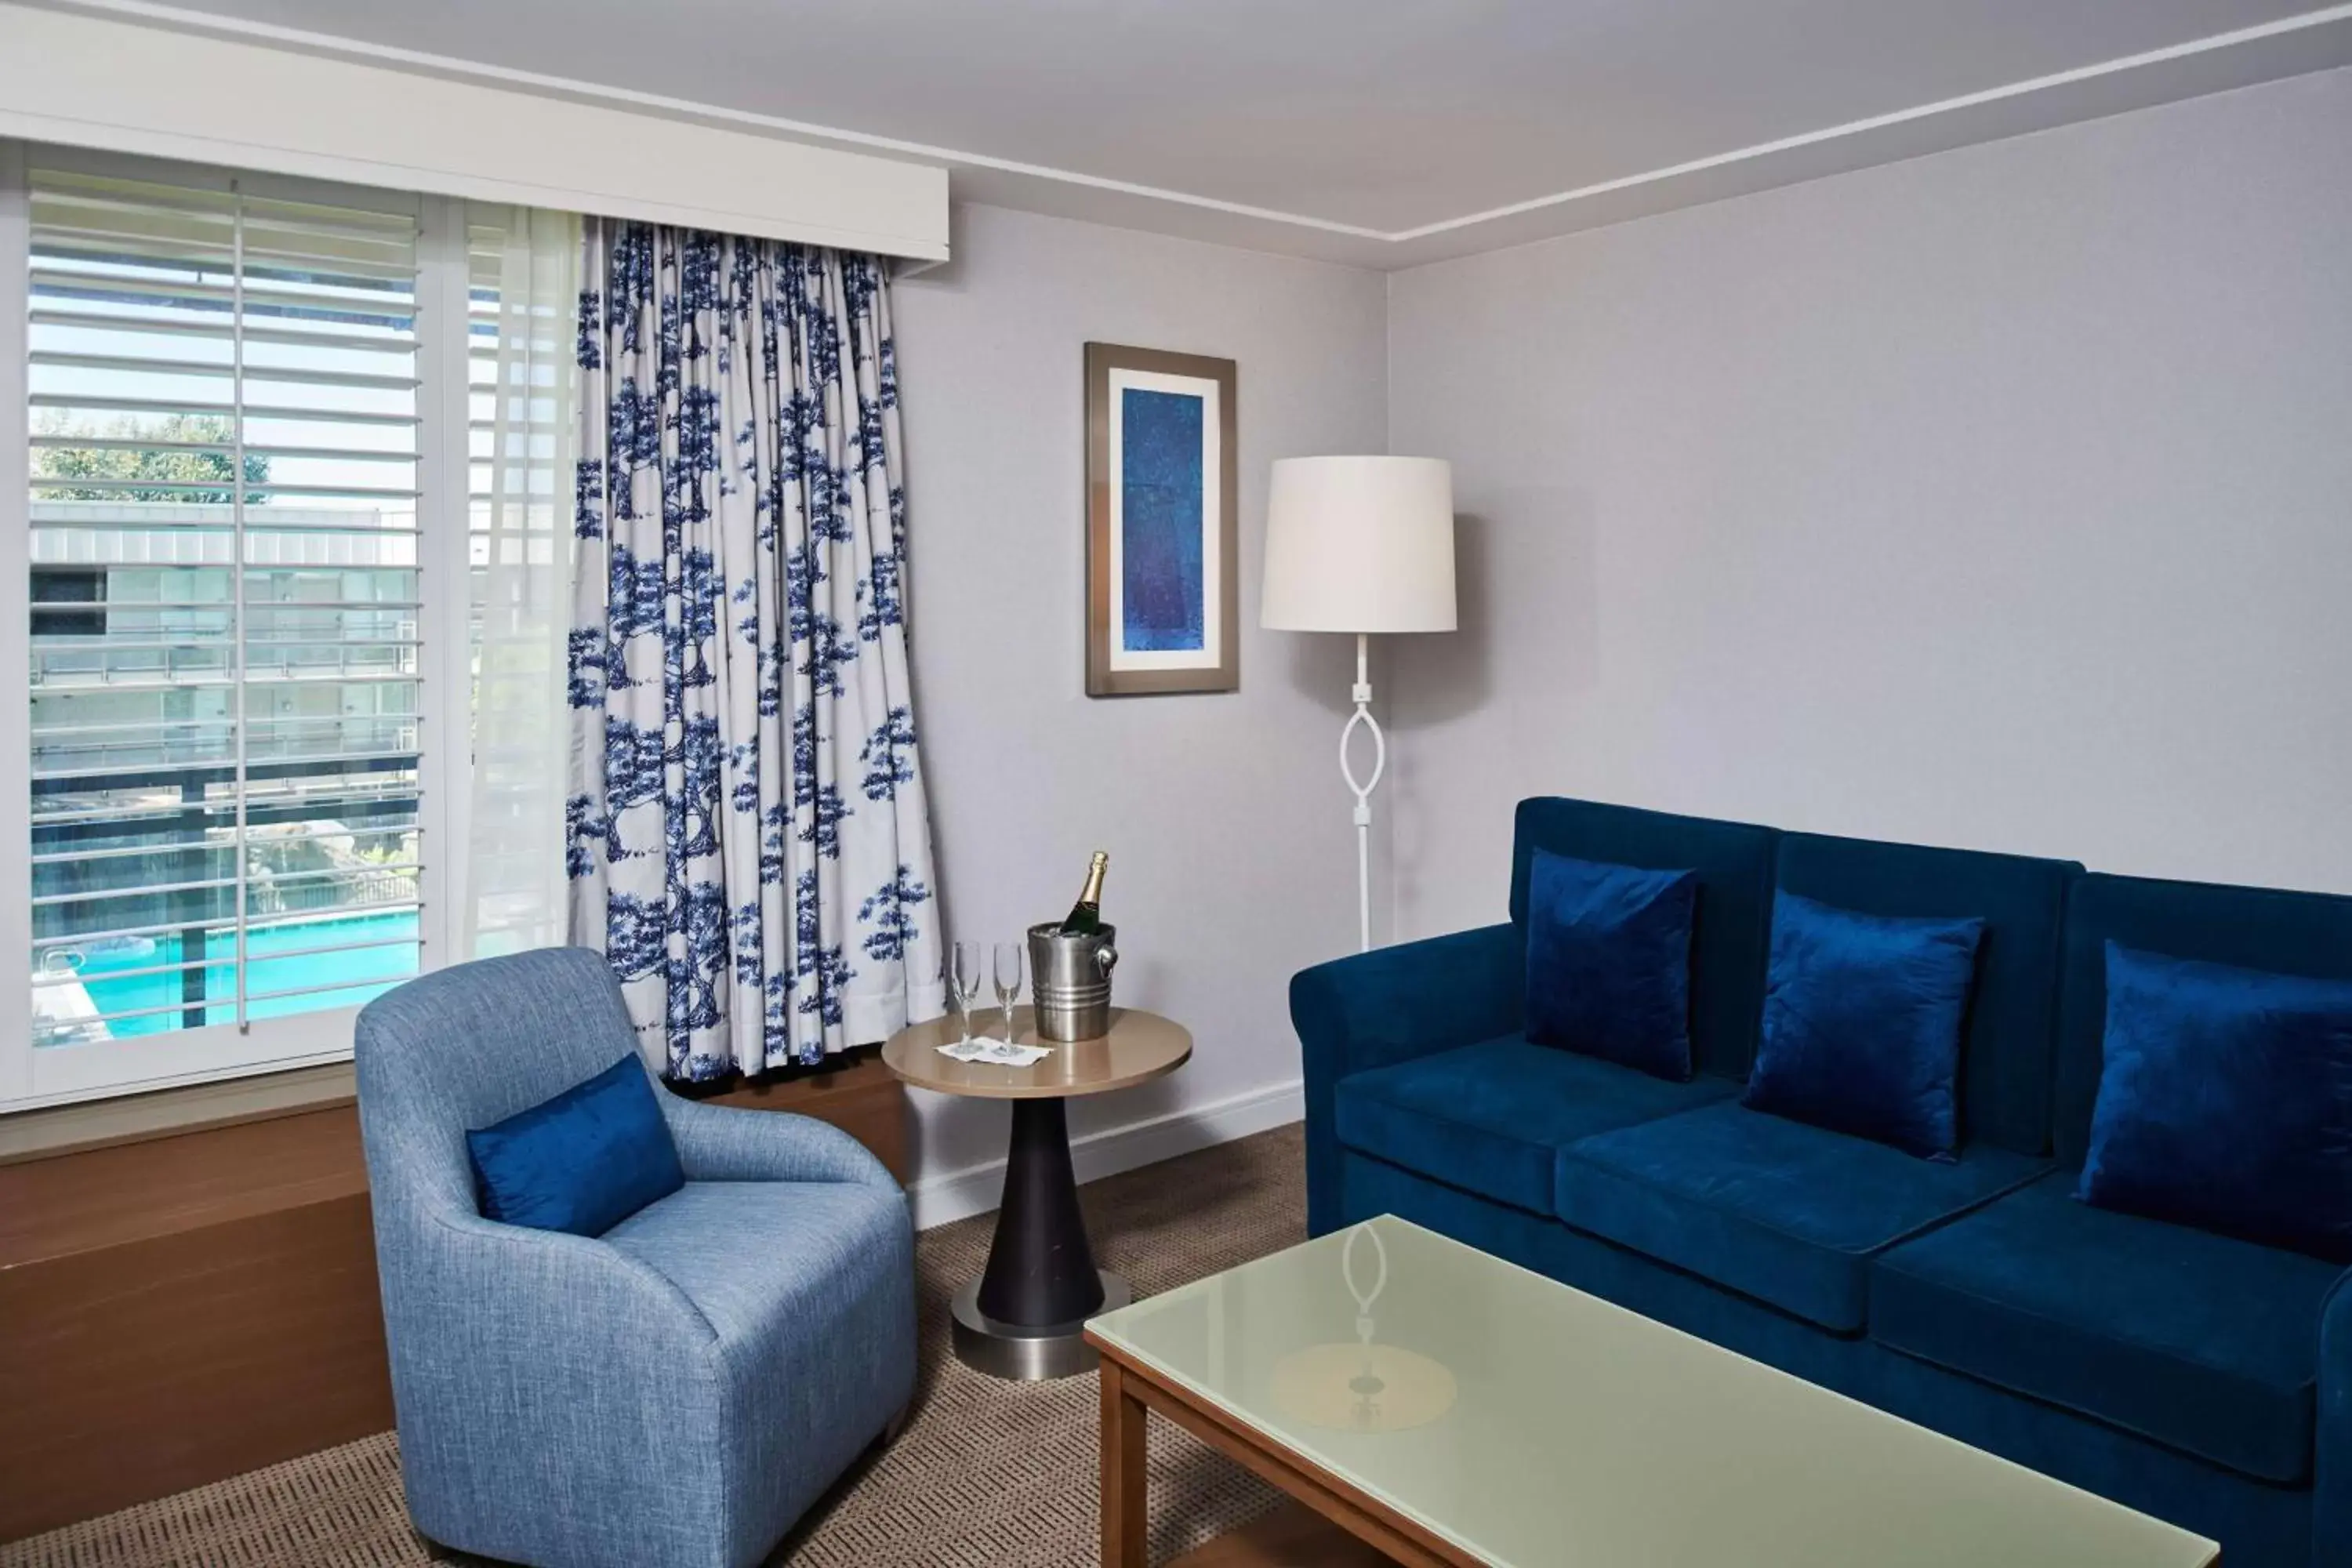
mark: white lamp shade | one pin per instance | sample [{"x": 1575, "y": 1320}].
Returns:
[{"x": 1360, "y": 544}]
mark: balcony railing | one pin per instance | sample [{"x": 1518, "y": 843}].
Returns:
[{"x": 101, "y": 666}]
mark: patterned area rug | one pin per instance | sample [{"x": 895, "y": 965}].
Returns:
[{"x": 987, "y": 1475}]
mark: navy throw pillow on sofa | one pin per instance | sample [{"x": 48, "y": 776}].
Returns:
[
  {"x": 583, "y": 1162},
  {"x": 1609, "y": 951},
  {"x": 2225, "y": 1102},
  {"x": 1861, "y": 1024}
]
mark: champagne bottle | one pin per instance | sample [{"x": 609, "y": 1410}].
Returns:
[{"x": 1085, "y": 918}]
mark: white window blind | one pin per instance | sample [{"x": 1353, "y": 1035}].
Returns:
[
  {"x": 485, "y": 254},
  {"x": 227, "y": 406}
]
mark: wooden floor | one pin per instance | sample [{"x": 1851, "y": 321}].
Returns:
[{"x": 1292, "y": 1536}]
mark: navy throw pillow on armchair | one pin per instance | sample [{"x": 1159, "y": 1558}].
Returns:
[
  {"x": 1609, "y": 952},
  {"x": 1861, "y": 1024},
  {"x": 583, "y": 1162},
  {"x": 2225, "y": 1102}
]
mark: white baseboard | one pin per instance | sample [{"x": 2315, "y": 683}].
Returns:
[{"x": 976, "y": 1189}]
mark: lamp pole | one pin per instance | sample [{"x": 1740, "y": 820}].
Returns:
[{"x": 1364, "y": 790}]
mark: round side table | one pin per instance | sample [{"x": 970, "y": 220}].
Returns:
[{"x": 1024, "y": 1316}]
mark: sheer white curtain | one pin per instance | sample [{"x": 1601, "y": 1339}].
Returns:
[{"x": 526, "y": 282}]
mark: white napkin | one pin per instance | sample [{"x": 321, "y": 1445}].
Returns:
[{"x": 999, "y": 1053}]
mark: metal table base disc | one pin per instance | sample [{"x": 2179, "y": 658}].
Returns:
[{"x": 1028, "y": 1352}]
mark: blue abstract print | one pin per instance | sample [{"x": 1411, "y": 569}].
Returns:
[
  {"x": 745, "y": 832},
  {"x": 1160, "y": 477}
]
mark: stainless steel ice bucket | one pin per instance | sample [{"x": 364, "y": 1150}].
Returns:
[{"x": 1069, "y": 980}]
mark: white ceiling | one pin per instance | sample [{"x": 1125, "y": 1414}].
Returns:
[{"x": 1380, "y": 131}]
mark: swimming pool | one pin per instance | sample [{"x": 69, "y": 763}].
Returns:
[{"x": 273, "y": 962}]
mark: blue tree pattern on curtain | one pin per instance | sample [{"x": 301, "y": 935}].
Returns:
[{"x": 745, "y": 832}]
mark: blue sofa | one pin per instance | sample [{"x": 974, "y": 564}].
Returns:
[{"x": 2201, "y": 1379}]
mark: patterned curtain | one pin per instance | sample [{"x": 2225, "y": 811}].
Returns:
[{"x": 746, "y": 835}]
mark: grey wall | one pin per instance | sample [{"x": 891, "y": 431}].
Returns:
[
  {"x": 1999, "y": 499},
  {"x": 1232, "y": 862},
  {"x": 2002, "y": 498}
]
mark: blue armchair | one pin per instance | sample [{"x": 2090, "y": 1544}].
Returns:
[{"x": 676, "y": 1392}]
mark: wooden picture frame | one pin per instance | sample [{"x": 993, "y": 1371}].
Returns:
[{"x": 1163, "y": 579}]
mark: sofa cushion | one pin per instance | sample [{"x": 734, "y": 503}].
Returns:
[
  {"x": 1490, "y": 1118},
  {"x": 2225, "y": 1102},
  {"x": 1609, "y": 961},
  {"x": 1733, "y": 861},
  {"x": 2007, "y": 1039},
  {"x": 1774, "y": 1209},
  {"x": 1861, "y": 1024},
  {"x": 2198, "y": 1341},
  {"x": 2249, "y": 928}
]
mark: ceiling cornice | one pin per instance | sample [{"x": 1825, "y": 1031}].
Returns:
[
  {"x": 2237, "y": 39},
  {"x": 2319, "y": 38},
  {"x": 180, "y": 19}
]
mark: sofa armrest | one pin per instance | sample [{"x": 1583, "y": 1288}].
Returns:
[
  {"x": 732, "y": 1143},
  {"x": 1389, "y": 1005},
  {"x": 2331, "y": 1503}
]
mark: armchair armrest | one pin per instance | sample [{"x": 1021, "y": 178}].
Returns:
[
  {"x": 509, "y": 1343},
  {"x": 526, "y": 1274},
  {"x": 1390, "y": 1005},
  {"x": 728, "y": 1143},
  {"x": 2331, "y": 1503}
]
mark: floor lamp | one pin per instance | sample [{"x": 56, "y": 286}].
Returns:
[{"x": 1361, "y": 546}]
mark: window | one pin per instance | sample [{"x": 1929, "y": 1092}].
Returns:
[
  {"x": 60, "y": 585},
  {"x": 244, "y": 534}
]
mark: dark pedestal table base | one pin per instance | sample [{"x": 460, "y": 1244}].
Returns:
[
  {"x": 1028, "y": 1352},
  {"x": 1024, "y": 1316}
]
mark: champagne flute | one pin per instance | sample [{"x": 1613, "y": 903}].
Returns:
[
  {"x": 1008, "y": 982},
  {"x": 962, "y": 974}
]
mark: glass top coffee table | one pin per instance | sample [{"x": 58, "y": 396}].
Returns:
[{"x": 1445, "y": 1407}]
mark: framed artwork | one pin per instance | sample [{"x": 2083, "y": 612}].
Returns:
[{"x": 1162, "y": 581}]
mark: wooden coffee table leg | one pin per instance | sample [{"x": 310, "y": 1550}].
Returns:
[{"x": 1122, "y": 1471}]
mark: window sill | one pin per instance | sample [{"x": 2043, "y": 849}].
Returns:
[{"x": 163, "y": 1112}]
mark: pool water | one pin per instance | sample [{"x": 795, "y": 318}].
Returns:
[{"x": 370, "y": 972}]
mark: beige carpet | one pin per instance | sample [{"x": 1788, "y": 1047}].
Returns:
[{"x": 988, "y": 1474}]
